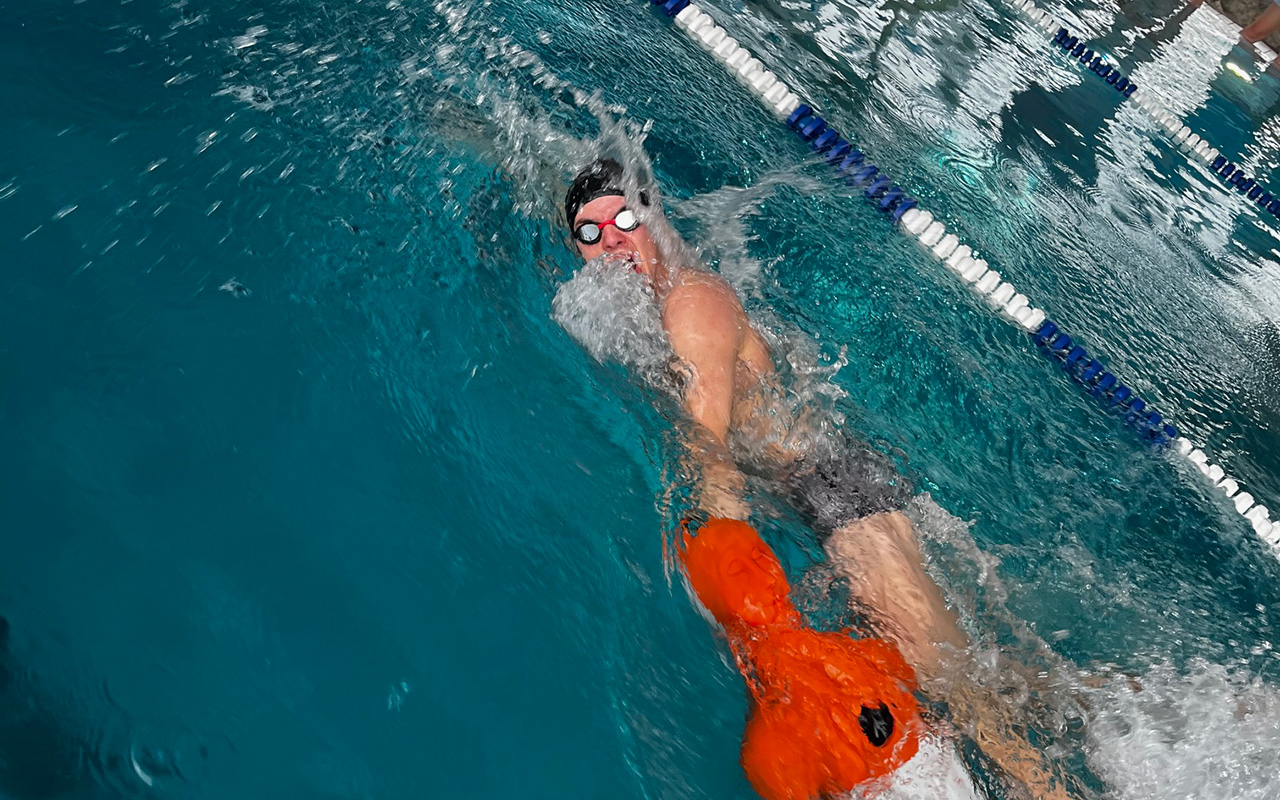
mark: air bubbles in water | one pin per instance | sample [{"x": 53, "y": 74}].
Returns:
[
  {"x": 397, "y": 695},
  {"x": 249, "y": 38},
  {"x": 235, "y": 288},
  {"x": 252, "y": 96}
]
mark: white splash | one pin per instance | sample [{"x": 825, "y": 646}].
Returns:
[
  {"x": 612, "y": 312},
  {"x": 935, "y": 772},
  {"x": 1205, "y": 731}
]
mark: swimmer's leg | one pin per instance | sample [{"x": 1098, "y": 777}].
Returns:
[
  {"x": 880, "y": 555},
  {"x": 1000, "y": 733}
]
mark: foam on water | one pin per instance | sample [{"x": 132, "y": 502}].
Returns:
[{"x": 724, "y": 215}]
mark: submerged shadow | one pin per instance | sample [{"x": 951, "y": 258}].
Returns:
[{"x": 40, "y": 759}]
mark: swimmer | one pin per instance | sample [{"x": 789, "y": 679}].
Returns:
[{"x": 850, "y": 497}]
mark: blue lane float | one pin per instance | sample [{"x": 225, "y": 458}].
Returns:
[
  {"x": 1095, "y": 63},
  {"x": 848, "y": 162},
  {"x": 1101, "y": 384},
  {"x": 1249, "y": 187},
  {"x": 960, "y": 259}
]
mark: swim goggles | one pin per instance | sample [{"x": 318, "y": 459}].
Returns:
[{"x": 590, "y": 232}]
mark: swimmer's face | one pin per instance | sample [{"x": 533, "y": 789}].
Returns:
[
  {"x": 737, "y": 576},
  {"x": 636, "y": 244}
]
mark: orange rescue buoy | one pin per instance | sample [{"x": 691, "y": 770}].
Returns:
[{"x": 828, "y": 712}]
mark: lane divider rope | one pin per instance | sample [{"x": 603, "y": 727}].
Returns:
[
  {"x": 960, "y": 259},
  {"x": 1182, "y": 136}
]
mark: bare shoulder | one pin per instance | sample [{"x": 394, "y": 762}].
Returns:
[
  {"x": 697, "y": 280},
  {"x": 704, "y": 299}
]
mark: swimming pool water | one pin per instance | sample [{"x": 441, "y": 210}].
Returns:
[{"x": 368, "y": 523}]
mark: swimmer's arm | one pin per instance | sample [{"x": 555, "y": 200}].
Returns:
[
  {"x": 704, "y": 324},
  {"x": 720, "y": 485}
]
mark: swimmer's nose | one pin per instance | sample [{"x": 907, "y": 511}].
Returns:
[{"x": 614, "y": 240}]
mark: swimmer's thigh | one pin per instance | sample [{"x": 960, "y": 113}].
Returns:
[{"x": 880, "y": 556}]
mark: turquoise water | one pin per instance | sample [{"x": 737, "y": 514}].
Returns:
[{"x": 368, "y": 523}]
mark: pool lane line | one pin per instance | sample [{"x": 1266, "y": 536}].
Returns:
[
  {"x": 1245, "y": 504},
  {"x": 1182, "y": 135},
  {"x": 1011, "y": 306},
  {"x": 1079, "y": 51}
]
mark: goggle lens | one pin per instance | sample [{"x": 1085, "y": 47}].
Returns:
[{"x": 626, "y": 220}]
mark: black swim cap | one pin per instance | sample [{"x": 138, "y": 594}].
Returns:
[{"x": 600, "y": 178}]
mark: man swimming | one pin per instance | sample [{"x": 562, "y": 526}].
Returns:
[
  {"x": 725, "y": 362},
  {"x": 850, "y": 498}
]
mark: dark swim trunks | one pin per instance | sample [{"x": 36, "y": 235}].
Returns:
[{"x": 854, "y": 482}]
